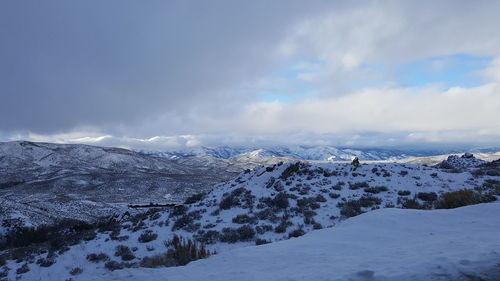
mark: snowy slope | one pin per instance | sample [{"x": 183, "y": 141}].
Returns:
[
  {"x": 388, "y": 245},
  {"x": 274, "y": 202},
  {"x": 42, "y": 182}
]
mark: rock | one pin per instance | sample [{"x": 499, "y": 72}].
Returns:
[{"x": 468, "y": 155}]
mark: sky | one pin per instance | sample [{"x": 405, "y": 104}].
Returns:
[{"x": 164, "y": 75}]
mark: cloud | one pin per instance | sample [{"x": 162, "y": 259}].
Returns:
[
  {"x": 456, "y": 114},
  {"x": 353, "y": 36},
  {"x": 193, "y": 73},
  {"x": 88, "y": 137},
  {"x": 94, "y": 63}
]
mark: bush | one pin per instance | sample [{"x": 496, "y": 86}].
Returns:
[
  {"x": 45, "y": 262},
  {"x": 113, "y": 265},
  {"x": 23, "y": 269},
  {"x": 76, "y": 271},
  {"x": 186, "y": 220},
  {"x": 333, "y": 195},
  {"x": 147, "y": 236},
  {"x": 140, "y": 217},
  {"x": 119, "y": 238},
  {"x": 246, "y": 232},
  {"x": 290, "y": 170},
  {"x": 427, "y": 196},
  {"x": 154, "y": 216},
  {"x": 296, "y": 233},
  {"x": 308, "y": 202},
  {"x": 358, "y": 185},
  {"x": 369, "y": 201},
  {"x": 261, "y": 229},
  {"x": 208, "y": 237},
  {"x": 338, "y": 186},
  {"x": 320, "y": 198},
  {"x": 317, "y": 225},
  {"x": 404, "y": 192},
  {"x": 266, "y": 214},
  {"x": 4, "y": 272},
  {"x": 54, "y": 237},
  {"x": 278, "y": 186},
  {"x": 411, "y": 204},
  {"x": 96, "y": 258},
  {"x": 160, "y": 260},
  {"x": 270, "y": 182},
  {"x": 178, "y": 211},
  {"x": 376, "y": 189},
  {"x": 124, "y": 252},
  {"x": 194, "y": 198},
  {"x": 244, "y": 219},
  {"x": 281, "y": 228},
  {"x": 458, "y": 198},
  {"x": 229, "y": 235},
  {"x": 180, "y": 252},
  {"x": 236, "y": 198},
  {"x": 261, "y": 242},
  {"x": 350, "y": 208},
  {"x": 281, "y": 200}
]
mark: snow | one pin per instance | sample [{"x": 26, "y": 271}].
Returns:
[
  {"x": 319, "y": 153},
  {"x": 46, "y": 182},
  {"x": 319, "y": 179},
  {"x": 462, "y": 162},
  {"x": 311, "y": 180},
  {"x": 387, "y": 244}
]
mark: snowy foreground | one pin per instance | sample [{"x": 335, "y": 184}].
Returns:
[{"x": 386, "y": 244}]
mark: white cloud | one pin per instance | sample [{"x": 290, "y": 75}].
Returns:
[
  {"x": 210, "y": 92},
  {"x": 492, "y": 73},
  {"x": 386, "y": 110},
  {"x": 392, "y": 32}
]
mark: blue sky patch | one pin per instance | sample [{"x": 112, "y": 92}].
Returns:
[
  {"x": 289, "y": 87},
  {"x": 448, "y": 71}
]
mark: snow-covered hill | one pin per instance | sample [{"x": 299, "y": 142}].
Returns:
[
  {"x": 264, "y": 205},
  {"x": 317, "y": 153},
  {"x": 41, "y": 182},
  {"x": 460, "y": 162},
  {"x": 384, "y": 245},
  {"x": 320, "y": 153}
]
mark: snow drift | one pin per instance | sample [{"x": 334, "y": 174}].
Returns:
[{"x": 385, "y": 245}]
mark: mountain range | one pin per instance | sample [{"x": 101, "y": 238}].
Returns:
[
  {"x": 317, "y": 153},
  {"x": 278, "y": 202}
]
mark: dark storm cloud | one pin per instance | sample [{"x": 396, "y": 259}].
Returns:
[{"x": 98, "y": 63}]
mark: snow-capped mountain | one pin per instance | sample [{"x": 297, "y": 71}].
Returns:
[
  {"x": 319, "y": 153},
  {"x": 267, "y": 204},
  {"x": 323, "y": 153}
]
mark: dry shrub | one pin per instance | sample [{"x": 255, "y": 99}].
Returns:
[
  {"x": 458, "y": 198},
  {"x": 181, "y": 252}
]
